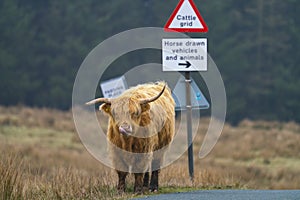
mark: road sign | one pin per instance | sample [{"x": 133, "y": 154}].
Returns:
[
  {"x": 198, "y": 100},
  {"x": 114, "y": 87},
  {"x": 184, "y": 54},
  {"x": 186, "y": 18}
]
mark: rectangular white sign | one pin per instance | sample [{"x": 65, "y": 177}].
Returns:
[
  {"x": 114, "y": 87},
  {"x": 184, "y": 54}
]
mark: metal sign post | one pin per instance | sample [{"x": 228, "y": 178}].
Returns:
[
  {"x": 186, "y": 55},
  {"x": 189, "y": 124}
]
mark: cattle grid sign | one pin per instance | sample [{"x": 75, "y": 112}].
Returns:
[{"x": 186, "y": 55}]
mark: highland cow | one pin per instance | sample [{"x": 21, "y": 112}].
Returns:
[{"x": 140, "y": 130}]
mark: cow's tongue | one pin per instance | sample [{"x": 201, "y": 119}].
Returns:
[{"x": 123, "y": 131}]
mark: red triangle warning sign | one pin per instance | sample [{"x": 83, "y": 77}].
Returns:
[{"x": 186, "y": 18}]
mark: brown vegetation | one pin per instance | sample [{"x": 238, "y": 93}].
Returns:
[{"x": 42, "y": 158}]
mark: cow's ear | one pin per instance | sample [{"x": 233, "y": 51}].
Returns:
[
  {"x": 145, "y": 107},
  {"x": 105, "y": 108}
]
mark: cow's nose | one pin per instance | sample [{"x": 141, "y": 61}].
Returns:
[{"x": 125, "y": 128}]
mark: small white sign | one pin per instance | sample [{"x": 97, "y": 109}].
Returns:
[
  {"x": 113, "y": 87},
  {"x": 184, "y": 54}
]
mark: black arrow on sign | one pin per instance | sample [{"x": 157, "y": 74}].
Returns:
[{"x": 187, "y": 64}]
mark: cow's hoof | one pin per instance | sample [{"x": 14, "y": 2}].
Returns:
[
  {"x": 138, "y": 191},
  {"x": 153, "y": 189},
  {"x": 121, "y": 189},
  {"x": 121, "y": 192}
]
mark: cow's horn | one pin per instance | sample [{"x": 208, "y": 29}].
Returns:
[
  {"x": 144, "y": 101},
  {"x": 104, "y": 100}
]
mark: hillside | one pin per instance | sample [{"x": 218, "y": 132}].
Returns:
[{"x": 43, "y": 158}]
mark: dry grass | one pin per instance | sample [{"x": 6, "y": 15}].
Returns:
[
  {"x": 264, "y": 154},
  {"x": 11, "y": 184},
  {"x": 42, "y": 158}
]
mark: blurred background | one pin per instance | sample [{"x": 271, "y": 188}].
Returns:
[{"x": 255, "y": 45}]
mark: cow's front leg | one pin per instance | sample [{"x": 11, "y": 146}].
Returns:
[
  {"x": 138, "y": 183},
  {"x": 156, "y": 163},
  {"x": 122, "y": 181},
  {"x": 154, "y": 181},
  {"x": 146, "y": 181}
]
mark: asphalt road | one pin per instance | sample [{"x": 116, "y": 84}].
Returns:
[{"x": 230, "y": 195}]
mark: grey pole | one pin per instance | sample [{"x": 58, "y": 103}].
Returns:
[{"x": 189, "y": 124}]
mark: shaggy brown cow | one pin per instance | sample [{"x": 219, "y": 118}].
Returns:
[{"x": 141, "y": 127}]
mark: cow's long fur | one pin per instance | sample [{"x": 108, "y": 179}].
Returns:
[{"x": 153, "y": 129}]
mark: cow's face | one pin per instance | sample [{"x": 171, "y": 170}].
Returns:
[{"x": 128, "y": 114}]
